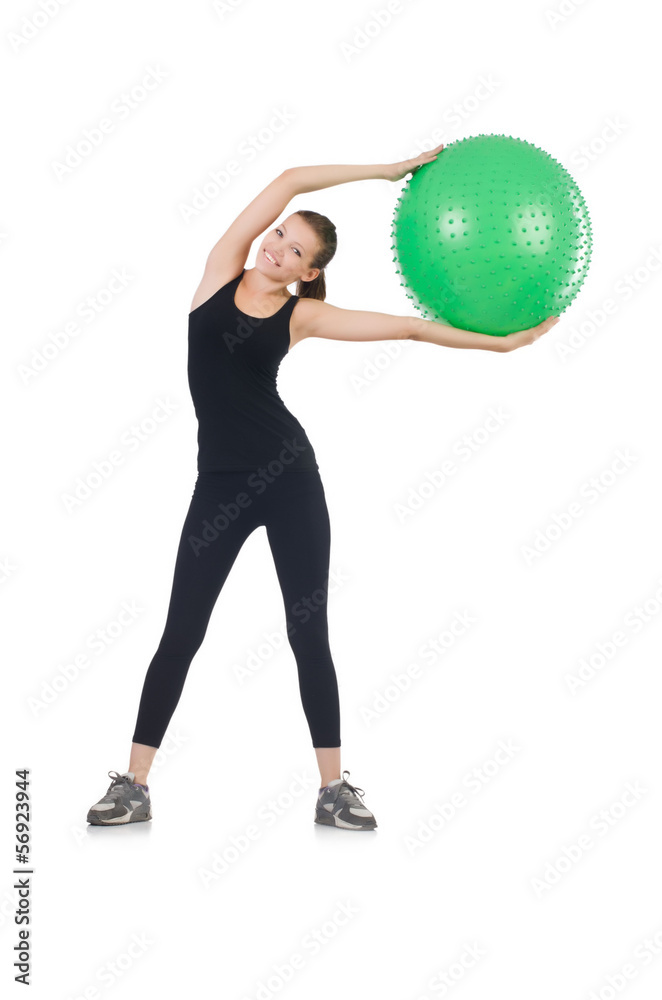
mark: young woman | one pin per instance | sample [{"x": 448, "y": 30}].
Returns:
[{"x": 256, "y": 466}]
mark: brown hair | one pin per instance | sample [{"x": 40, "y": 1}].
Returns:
[{"x": 325, "y": 231}]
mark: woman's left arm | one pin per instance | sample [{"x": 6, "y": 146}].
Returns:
[
  {"x": 431, "y": 332},
  {"x": 320, "y": 319}
]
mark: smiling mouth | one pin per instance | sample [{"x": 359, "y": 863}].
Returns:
[{"x": 271, "y": 259}]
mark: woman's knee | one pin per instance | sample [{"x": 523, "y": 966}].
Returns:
[{"x": 183, "y": 645}]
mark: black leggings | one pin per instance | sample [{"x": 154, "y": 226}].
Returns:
[{"x": 225, "y": 508}]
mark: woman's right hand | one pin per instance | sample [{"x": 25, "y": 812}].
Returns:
[{"x": 396, "y": 171}]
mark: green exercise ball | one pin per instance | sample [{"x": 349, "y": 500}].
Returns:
[{"x": 494, "y": 235}]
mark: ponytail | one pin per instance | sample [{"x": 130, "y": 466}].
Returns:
[
  {"x": 325, "y": 232},
  {"x": 315, "y": 289}
]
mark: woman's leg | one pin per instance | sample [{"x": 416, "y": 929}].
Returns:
[
  {"x": 299, "y": 534},
  {"x": 140, "y": 761},
  {"x": 328, "y": 761},
  {"x": 208, "y": 546}
]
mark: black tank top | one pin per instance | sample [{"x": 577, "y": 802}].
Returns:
[{"x": 233, "y": 362}]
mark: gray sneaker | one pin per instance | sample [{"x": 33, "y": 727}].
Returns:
[
  {"x": 124, "y": 802},
  {"x": 339, "y": 805}
]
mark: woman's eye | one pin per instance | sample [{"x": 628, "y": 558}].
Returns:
[{"x": 297, "y": 252}]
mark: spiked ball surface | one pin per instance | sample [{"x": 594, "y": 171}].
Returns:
[{"x": 493, "y": 236}]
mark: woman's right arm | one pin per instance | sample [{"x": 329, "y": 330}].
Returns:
[
  {"x": 229, "y": 254},
  {"x": 315, "y": 178}
]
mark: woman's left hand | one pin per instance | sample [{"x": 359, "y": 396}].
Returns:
[
  {"x": 396, "y": 171},
  {"x": 511, "y": 341}
]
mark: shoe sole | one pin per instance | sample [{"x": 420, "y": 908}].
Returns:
[
  {"x": 330, "y": 821},
  {"x": 119, "y": 822}
]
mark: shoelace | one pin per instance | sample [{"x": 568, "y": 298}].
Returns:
[
  {"x": 118, "y": 781},
  {"x": 350, "y": 791}
]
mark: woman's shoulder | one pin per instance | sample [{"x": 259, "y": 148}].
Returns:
[
  {"x": 305, "y": 316},
  {"x": 212, "y": 283},
  {"x": 311, "y": 307}
]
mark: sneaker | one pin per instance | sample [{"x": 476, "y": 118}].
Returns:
[
  {"x": 124, "y": 802},
  {"x": 339, "y": 805}
]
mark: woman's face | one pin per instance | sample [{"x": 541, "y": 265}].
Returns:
[{"x": 291, "y": 246}]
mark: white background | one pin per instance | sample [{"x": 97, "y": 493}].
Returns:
[{"x": 495, "y": 876}]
